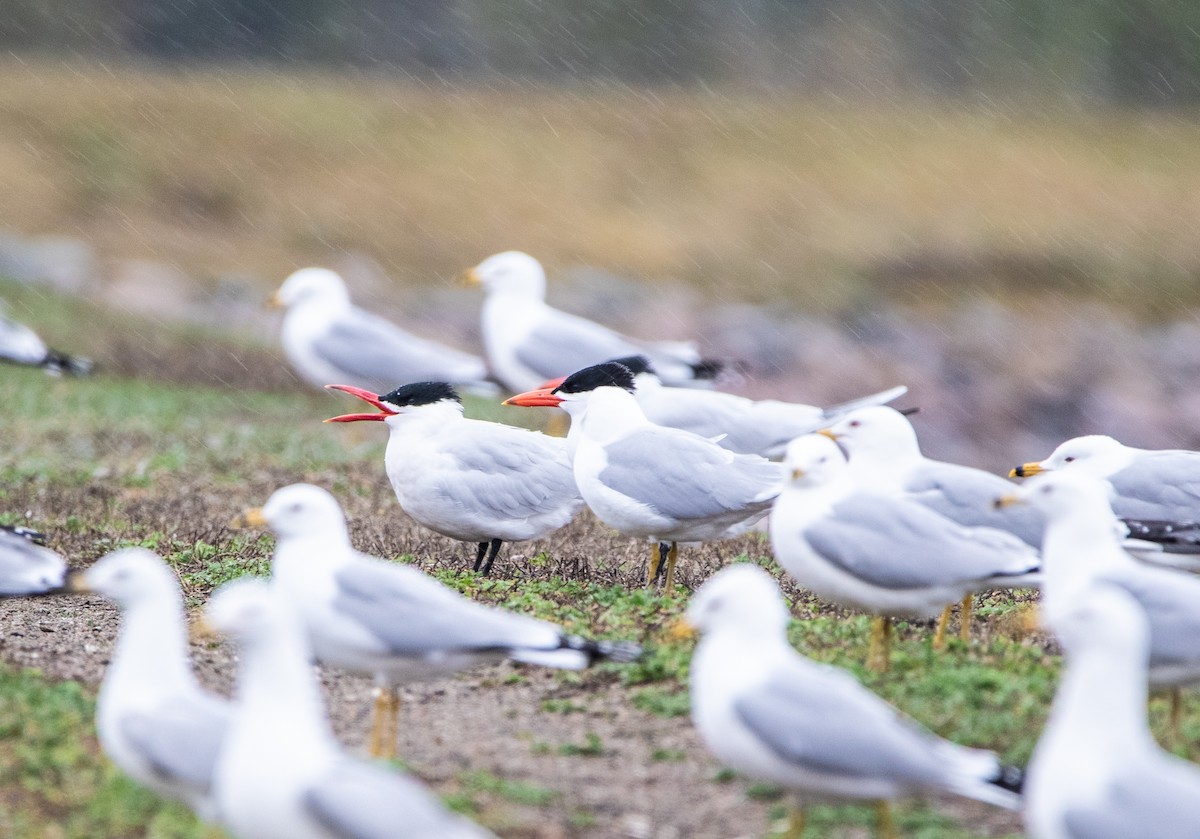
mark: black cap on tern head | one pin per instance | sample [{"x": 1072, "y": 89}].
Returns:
[
  {"x": 420, "y": 393},
  {"x": 636, "y": 364},
  {"x": 608, "y": 374}
]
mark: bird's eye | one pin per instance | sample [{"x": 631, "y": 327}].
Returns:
[
  {"x": 296, "y": 508},
  {"x": 1069, "y": 459},
  {"x": 855, "y": 423}
]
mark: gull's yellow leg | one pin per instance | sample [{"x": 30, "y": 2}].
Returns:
[
  {"x": 656, "y": 558},
  {"x": 672, "y": 556},
  {"x": 885, "y": 827},
  {"x": 377, "y": 721},
  {"x": 939, "y": 637},
  {"x": 964, "y": 630},
  {"x": 391, "y": 728},
  {"x": 879, "y": 653},
  {"x": 796, "y": 820}
]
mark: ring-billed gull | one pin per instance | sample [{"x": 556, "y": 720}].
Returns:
[
  {"x": 392, "y": 621},
  {"x": 329, "y": 339},
  {"x": 882, "y": 553},
  {"x": 153, "y": 719},
  {"x": 476, "y": 481},
  {"x": 28, "y": 568},
  {"x": 281, "y": 773},
  {"x": 1147, "y": 484},
  {"x": 763, "y": 427},
  {"x": 21, "y": 345},
  {"x": 646, "y": 480},
  {"x": 528, "y": 342},
  {"x": 1082, "y": 549},
  {"x": 770, "y": 713},
  {"x": 1096, "y": 772}
]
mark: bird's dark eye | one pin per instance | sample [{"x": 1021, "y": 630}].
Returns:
[
  {"x": 855, "y": 423},
  {"x": 296, "y": 508},
  {"x": 1069, "y": 459}
]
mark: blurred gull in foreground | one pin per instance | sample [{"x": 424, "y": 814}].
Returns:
[
  {"x": 770, "y": 713},
  {"x": 881, "y": 553},
  {"x": 281, "y": 773},
  {"x": 328, "y": 339},
  {"x": 26, "y": 567},
  {"x": 1082, "y": 549},
  {"x": 476, "y": 481},
  {"x": 528, "y": 342},
  {"x": 646, "y": 480},
  {"x": 392, "y": 621},
  {"x": 1096, "y": 772},
  {"x": 21, "y": 345},
  {"x": 152, "y": 718}
]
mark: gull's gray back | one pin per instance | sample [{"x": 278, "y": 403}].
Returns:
[
  {"x": 966, "y": 495},
  {"x": 1159, "y": 486},
  {"x": 180, "y": 740}
]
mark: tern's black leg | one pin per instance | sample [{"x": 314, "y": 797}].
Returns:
[
  {"x": 487, "y": 566},
  {"x": 479, "y": 554}
]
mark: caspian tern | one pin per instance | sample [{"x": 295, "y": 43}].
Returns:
[
  {"x": 282, "y": 772},
  {"x": 882, "y": 553},
  {"x": 471, "y": 480},
  {"x": 1096, "y": 771},
  {"x": 646, "y": 480},
  {"x": 393, "y": 621},
  {"x": 763, "y": 427},
  {"x": 528, "y": 341},
  {"x": 21, "y": 345},
  {"x": 768, "y": 712},
  {"x": 327, "y": 339},
  {"x": 152, "y": 717}
]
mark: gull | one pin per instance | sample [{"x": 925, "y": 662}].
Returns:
[
  {"x": 475, "y": 481},
  {"x": 1081, "y": 549},
  {"x": 281, "y": 773},
  {"x": 21, "y": 345},
  {"x": 763, "y": 427},
  {"x": 528, "y": 342},
  {"x": 1147, "y": 484},
  {"x": 1096, "y": 772},
  {"x": 328, "y": 339},
  {"x": 881, "y": 553},
  {"x": 153, "y": 719},
  {"x": 768, "y": 712},
  {"x": 26, "y": 567},
  {"x": 391, "y": 621},
  {"x": 649, "y": 481}
]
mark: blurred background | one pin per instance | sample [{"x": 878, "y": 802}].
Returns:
[{"x": 992, "y": 201}]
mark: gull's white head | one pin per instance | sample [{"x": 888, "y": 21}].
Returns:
[
  {"x": 1095, "y": 454},
  {"x": 128, "y": 577},
  {"x": 814, "y": 460},
  {"x": 511, "y": 272},
  {"x": 303, "y": 511},
  {"x": 1102, "y": 618},
  {"x": 1062, "y": 494},
  {"x": 875, "y": 433},
  {"x": 742, "y": 597},
  {"x": 245, "y": 609},
  {"x": 312, "y": 285}
]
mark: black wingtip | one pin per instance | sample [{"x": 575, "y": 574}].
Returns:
[
  {"x": 25, "y": 533},
  {"x": 1011, "y": 778},
  {"x": 59, "y": 363},
  {"x": 711, "y": 369},
  {"x": 621, "y": 652}
]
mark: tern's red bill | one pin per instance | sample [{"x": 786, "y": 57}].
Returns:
[
  {"x": 543, "y": 397},
  {"x": 366, "y": 396}
]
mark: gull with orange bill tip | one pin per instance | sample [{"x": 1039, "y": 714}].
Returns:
[
  {"x": 649, "y": 481},
  {"x": 475, "y": 481},
  {"x": 528, "y": 341},
  {"x": 392, "y": 621},
  {"x": 327, "y": 339}
]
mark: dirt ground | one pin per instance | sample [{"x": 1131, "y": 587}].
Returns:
[{"x": 482, "y": 720}]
